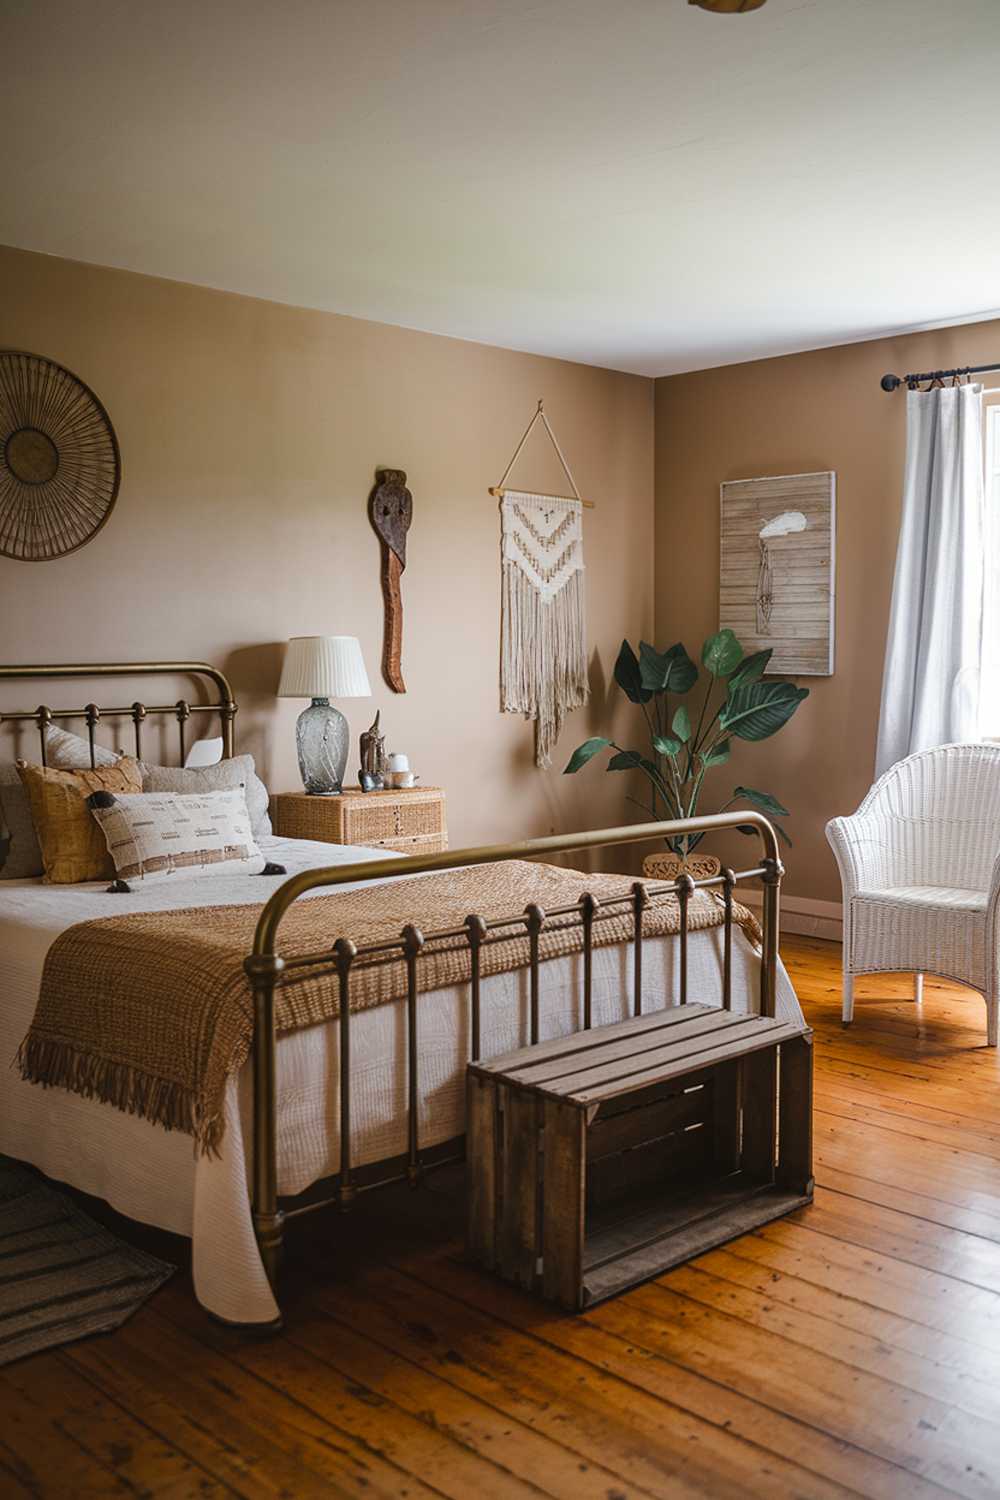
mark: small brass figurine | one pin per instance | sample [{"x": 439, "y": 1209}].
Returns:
[{"x": 371, "y": 777}]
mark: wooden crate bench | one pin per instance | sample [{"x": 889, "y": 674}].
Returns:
[{"x": 601, "y": 1159}]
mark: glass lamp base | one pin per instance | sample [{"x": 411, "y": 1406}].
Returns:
[{"x": 321, "y": 737}]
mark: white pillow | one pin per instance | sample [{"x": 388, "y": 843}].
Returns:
[
  {"x": 236, "y": 772},
  {"x": 71, "y": 752},
  {"x": 204, "y": 753},
  {"x": 155, "y": 835}
]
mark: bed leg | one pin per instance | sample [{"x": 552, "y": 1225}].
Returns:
[
  {"x": 268, "y": 1220},
  {"x": 270, "y": 1232}
]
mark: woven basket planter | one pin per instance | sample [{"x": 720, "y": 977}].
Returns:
[{"x": 669, "y": 866}]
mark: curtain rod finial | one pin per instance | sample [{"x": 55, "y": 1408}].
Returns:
[{"x": 890, "y": 382}]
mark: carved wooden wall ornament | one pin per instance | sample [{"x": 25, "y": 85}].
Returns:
[{"x": 390, "y": 509}]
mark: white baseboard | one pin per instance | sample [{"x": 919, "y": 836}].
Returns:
[{"x": 800, "y": 914}]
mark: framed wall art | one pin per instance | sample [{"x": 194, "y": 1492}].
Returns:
[{"x": 777, "y": 569}]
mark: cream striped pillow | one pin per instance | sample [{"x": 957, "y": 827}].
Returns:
[{"x": 151, "y": 835}]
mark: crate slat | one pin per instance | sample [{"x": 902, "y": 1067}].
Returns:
[
  {"x": 518, "y": 1064},
  {"x": 599, "y": 1160},
  {"x": 738, "y": 1215},
  {"x": 671, "y": 1062},
  {"x": 559, "y": 1073}
]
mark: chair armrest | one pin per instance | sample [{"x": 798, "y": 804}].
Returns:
[{"x": 862, "y": 847}]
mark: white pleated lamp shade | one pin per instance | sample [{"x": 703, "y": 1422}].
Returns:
[{"x": 324, "y": 666}]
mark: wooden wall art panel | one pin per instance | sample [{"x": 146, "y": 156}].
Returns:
[{"x": 777, "y": 578}]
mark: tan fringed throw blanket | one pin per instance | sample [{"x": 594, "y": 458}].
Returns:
[{"x": 152, "y": 1012}]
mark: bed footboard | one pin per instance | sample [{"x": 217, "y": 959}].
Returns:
[{"x": 267, "y": 968}]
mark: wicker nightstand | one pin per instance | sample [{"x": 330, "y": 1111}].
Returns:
[{"x": 412, "y": 820}]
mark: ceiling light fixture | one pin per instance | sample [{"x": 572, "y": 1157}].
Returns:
[{"x": 728, "y": 7}]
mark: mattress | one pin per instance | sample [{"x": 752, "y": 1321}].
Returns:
[{"x": 152, "y": 1175}]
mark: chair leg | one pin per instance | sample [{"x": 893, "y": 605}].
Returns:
[
  {"x": 992, "y": 1020},
  {"x": 918, "y": 988},
  {"x": 847, "y": 1013}
]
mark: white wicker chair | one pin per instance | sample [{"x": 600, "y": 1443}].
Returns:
[{"x": 920, "y": 867}]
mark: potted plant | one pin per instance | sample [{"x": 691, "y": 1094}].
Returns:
[{"x": 688, "y": 742}]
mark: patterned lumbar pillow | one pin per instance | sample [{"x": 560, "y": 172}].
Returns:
[
  {"x": 155, "y": 834},
  {"x": 72, "y": 848},
  {"x": 239, "y": 771},
  {"x": 20, "y": 856}
]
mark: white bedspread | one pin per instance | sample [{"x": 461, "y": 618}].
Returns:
[{"x": 152, "y": 1175}]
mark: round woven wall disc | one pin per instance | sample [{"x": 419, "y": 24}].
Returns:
[{"x": 59, "y": 462}]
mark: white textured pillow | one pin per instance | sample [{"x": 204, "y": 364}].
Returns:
[
  {"x": 152, "y": 835},
  {"x": 20, "y": 855},
  {"x": 71, "y": 752},
  {"x": 225, "y": 774}
]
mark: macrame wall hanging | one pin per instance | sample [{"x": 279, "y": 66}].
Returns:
[{"x": 543, "y": 656}]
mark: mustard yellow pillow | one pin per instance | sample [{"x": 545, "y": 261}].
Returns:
[{"x": 72, "y": 844}]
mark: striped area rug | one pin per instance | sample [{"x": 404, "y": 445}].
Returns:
[{"x": 62, "y": 1276}]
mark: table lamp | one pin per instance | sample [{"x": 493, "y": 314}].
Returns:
[{"x": 322, "y": 667}]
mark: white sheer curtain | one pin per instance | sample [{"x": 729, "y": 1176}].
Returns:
[
  {"x": 931, "y": 684},
  {"x": 989, "y": 699}
]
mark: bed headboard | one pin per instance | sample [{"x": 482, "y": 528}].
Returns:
[{"x": 92, "y": 713}]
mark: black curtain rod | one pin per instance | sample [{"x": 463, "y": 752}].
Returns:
[{"x": 893, "y": 382}]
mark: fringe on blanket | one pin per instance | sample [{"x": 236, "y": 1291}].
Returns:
[{"x": 57, "y": 1064}]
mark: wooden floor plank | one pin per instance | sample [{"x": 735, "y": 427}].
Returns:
[
  {"x": 105, "y": 1430},
  {"x": 777, "y": 1450},
  {"x": 820, "y": 1316},
  {"x": 777, "y": 1277},
  {"x": 910, "y": 1201},
  {"x": 657, "y": 1445},
  {"x": 924, "y": 1437},
  {"x": 917, "y": 1241},
  {"x": 916, "y": 1123},
  {"x": 276, "y": 1441},
  {"x": 459, "y": 1446},
  {"x": 45, "y": 1459},
  {"x": 851, "y": 1349}
]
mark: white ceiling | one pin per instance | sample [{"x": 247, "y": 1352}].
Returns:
[{"x": 630, "y": 183}]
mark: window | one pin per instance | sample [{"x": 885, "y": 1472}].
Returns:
[{"x": 990, "y": 689}]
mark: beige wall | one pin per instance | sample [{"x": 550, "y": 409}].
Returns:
[
  {"x": 249, "y": 434},
  {"x": 822, "y": 410}
]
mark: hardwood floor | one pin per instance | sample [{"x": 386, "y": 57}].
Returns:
[{"x": 853, "y": 1348}]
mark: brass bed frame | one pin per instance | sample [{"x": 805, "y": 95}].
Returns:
[{"x": 267, "y": 968}]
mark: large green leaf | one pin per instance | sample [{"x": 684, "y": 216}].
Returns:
[
  {"x": 759, "y": 709},
  {"x": 670, "y": 671},
  {"x": 722, "y": 653},
  {"x": 628, "y": 676},
  {"x": 751, "y": 668},
  {"x": 767, "y": 804},
  {"x": 717, "y": 756},
  {"x": 585, "y": 752},
  {"x": 630, "y": 760},
  {"x": 667, "y": 746},
  {"x": 763, "y": 800},
  {"x": 682, "y": 724},
  {"x": 783, "y": 836}
]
